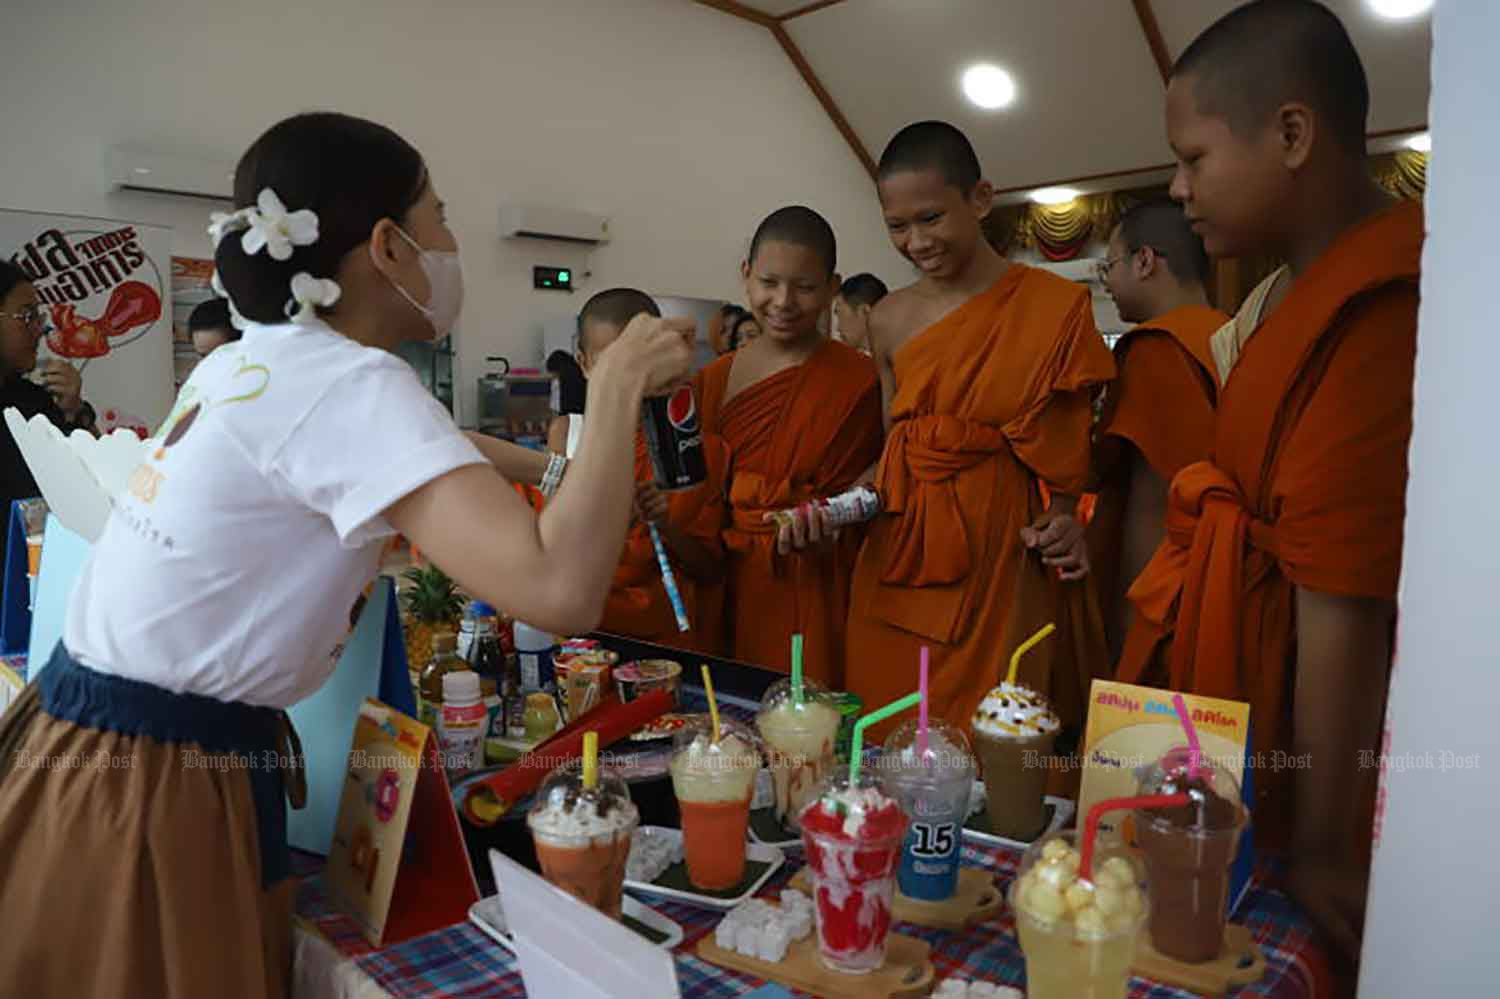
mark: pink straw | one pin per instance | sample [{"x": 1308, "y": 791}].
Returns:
[
  {"x": 1195, "y": 749},
  {"x": 922, "y": 704}
]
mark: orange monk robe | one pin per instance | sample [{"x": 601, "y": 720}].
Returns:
[
  {"x": 991, "y": 400},
  {"x": 638, "y": 606},
  {"x": 805, "y": 433},
  {"x": 1161, "y": 404},
  {"x": 1306, "y": 488}
]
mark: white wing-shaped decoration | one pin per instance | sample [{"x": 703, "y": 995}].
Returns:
[{"x": 77, "y": 475}]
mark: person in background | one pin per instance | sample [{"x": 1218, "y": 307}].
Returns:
[
  {"x": 284, "y": 469},
  {"x": 568, "y": 385},
  {"x": 1158, "y": 414},
  {"x": 721, "y": 325},
  {"x": 856, "y": 300},
  {"x": 59, "y": 396},
  {"x": 210, "y": 327},
  {"x": 746, "y": 330}
]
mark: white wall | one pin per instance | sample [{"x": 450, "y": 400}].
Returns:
[
  {"x": 683, "y": 124},
  {"x": 1430, "y": 929}
]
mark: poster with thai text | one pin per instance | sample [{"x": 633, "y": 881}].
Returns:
[{"x": 105, "y": 288}]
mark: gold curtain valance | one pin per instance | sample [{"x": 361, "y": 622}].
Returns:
[
  {"x": 1402, "y": 173},
  {"x": 1063, "y": 232}
]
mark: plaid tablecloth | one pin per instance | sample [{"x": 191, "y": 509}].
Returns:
[{"x": 462, "y": 962}]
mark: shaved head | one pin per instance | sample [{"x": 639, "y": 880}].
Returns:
[
  {"x": 863, "y": 289},
  {"x": 800, "y": 226},
  {"x": 1162, "y": 226},
  {"x": 933, "y": 145},
  {"x": 615, "y": 307},
  {"x": 1272, "y": 52}
]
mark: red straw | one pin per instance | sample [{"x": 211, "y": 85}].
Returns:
[
  {"x": 922, "y": 706},
  {"x": 1195, "y": 749},
  {"x": 1091, "y": 823}
]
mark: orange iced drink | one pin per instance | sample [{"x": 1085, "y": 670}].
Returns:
[{"x": 714, "y": 782}]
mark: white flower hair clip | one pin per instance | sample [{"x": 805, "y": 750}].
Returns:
[
  {"x": 276, "y": 229},
  {"x": 221, "y": 222},
  {"x": 310, "y": 293}
]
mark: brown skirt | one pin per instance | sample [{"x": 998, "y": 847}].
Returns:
[{"x": 132, "y": 868}]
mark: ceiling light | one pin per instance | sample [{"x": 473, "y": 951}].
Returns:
[
  {"x": 1400, "y": 10},
  {"x": 1054, "y": 195},
  {"x": 989, "y": 86},
  {"x": 1421, "y": 142}
]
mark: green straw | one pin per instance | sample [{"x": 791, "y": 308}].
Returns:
[
  {"x": 797, "y": 670},
  {"x": 857, "y": 748}
]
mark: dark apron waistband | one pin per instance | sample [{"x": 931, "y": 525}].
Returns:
[{"x": 72, "y": 692}]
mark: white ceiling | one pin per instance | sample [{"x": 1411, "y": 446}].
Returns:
[{"x": 1089, "y": 93}]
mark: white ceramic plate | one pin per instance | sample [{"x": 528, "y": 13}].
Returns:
[{"x": 489, "y": 915}]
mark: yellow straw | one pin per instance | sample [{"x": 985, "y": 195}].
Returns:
[
  {"x": 1026, "y": 647},
  {"x": 713, "y": 704},
  {"x": 590, "y": 759}
]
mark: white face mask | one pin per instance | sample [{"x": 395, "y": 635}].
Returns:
[{"x": 445, "y": 276}]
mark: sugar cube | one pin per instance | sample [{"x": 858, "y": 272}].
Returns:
[
  {"x": 773, "y": 942},
  {"x": 747, "y": 938},
  {"x": 724, "y": 933}
]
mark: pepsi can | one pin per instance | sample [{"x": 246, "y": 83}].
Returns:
[{"x": 674, "y": 439}]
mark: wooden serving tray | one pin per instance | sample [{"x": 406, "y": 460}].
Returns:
[
  {"x": 976, "y": 899},
  {"x": 906, "y": 974},
  {"x": 1240, "y": 962}
]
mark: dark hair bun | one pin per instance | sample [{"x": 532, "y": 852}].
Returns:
[{"x": 351, "y": 172}]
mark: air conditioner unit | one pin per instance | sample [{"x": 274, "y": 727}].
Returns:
[
  {"x": 565, "y": 225},
  {"x": 131, "y": 168}
]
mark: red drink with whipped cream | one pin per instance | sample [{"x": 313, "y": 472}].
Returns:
[{"x": 852, "y": 834}]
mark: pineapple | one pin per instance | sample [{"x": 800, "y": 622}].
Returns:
[{"x": 432, "y": 603}]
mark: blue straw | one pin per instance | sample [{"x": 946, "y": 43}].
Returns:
[{"x": 669, "y": 580}]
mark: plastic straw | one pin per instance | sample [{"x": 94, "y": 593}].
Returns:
[
  {"x": 922, "y": 705},
  {"x": 713, "y": 702},
  {"x": 857, "y": 748},
  {"x": 797, "y": 693},
  {"x": 1025, "y": 647},
  {"x": 1091, "y": 823},
  {"x": 1195, "y": 748},
  {"x": 590, "y": 759},
  {"x": 669, "y": 580}
]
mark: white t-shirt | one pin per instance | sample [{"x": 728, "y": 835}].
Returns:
[{"x": 229, "y": 567}]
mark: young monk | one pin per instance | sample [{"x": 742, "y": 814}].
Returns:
[
  {"x": 988, "y": 370},
  {"x": 801, "y": 416},
  {"x": 1159, "y": 413},
  {"x": 1278, "y": 575},
  {"x": 688, "y": 521}
]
